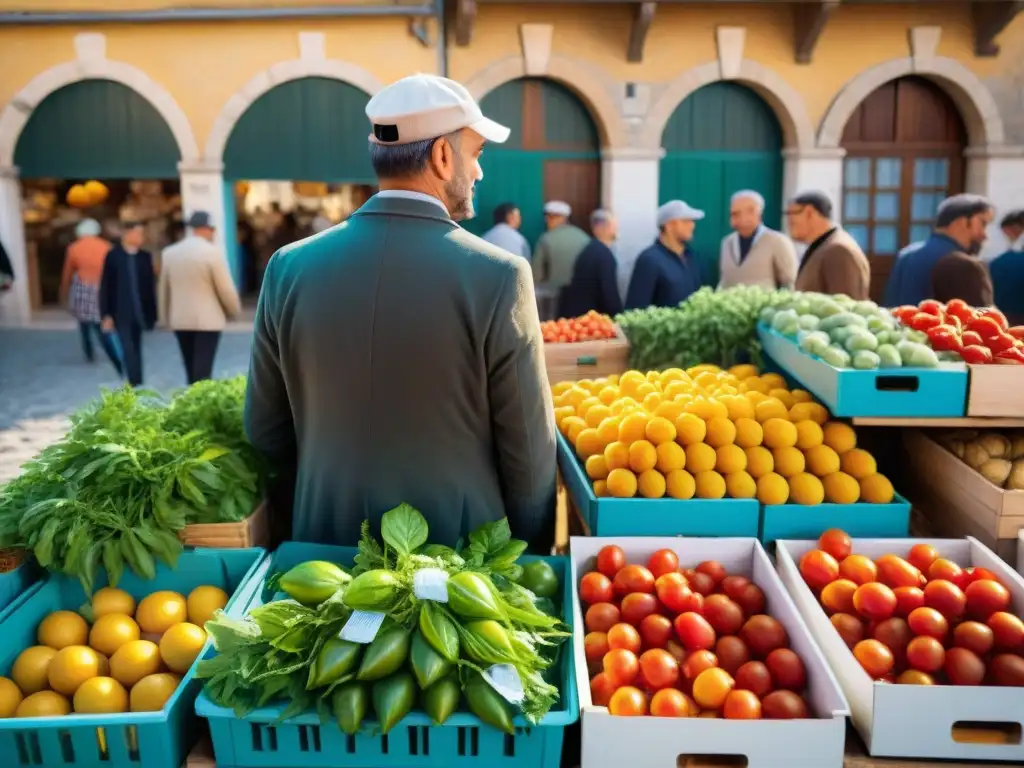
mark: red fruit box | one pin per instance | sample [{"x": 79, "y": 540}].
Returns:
[
  {"x": 657, "y": 742},
  {"x": 919, "y": 721}
]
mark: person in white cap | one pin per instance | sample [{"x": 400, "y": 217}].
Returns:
[
  {"x": 397, "y": 358},
  {"x": 667, "y": 272},
  {"x": 753, "y": 254},
  {"x": 80, "y": 288},
  {"x": 557, "y": 249}
]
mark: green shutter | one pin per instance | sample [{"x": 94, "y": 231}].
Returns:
[
  {"x": 505, "y": 105},
  {"x": 96, "y": 129},
  {"x": 721, "y": 139},
  {"x": 311, "y": 129},
  {"x": 567, "y": 123}
]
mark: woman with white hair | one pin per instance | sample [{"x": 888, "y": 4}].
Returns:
[{"x": 80, "y": 287}]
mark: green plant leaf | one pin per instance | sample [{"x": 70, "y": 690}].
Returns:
[{"x": 404, "y": 529}]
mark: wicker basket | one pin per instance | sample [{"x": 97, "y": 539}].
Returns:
[
  {"x": 11, "y": 559},
  {"x": 254, "y": 531}
]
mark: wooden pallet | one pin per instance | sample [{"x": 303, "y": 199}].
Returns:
[{"x": 254, "y": 531}]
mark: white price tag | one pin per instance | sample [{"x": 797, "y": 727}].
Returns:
[
  {"x": 504, "y": 678},
  {"x": 430, "y": 584},
  {"x": 362, "y": 626}
]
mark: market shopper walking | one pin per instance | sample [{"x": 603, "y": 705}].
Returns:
[
  {"x": 197, "y": 296},
  {"x": 833, "y": 262},
  {"x": 399, "y": 358},
  {"x": 557, "y": 250},
  {"x": 128, "y": 297}
]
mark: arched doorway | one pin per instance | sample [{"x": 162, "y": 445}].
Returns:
[
  {"x": 553, "y": 153},
  {"x": 298, "y": 152},
  {"x": 904, "y": 153},
  {"x": 722, "y": 138},
  {"x": 93, "y": 129}
]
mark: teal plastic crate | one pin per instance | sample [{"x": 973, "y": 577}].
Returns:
[
  {"x": 150, "y": 739},
  {"x": 870, "y": 521},
  {"x": 883, "y": 393},
  {"x": 15, "y": 586},
  {"x": 261, "y": 740},
  {"x": 654, "y": 517}
]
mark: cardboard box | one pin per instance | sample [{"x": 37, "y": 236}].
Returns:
[
  {"x": 915, "y": 720},
  {"x": 656, "y": 742}
]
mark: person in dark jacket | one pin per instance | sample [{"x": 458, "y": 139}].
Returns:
[
  {"x": 1007, "y": 270},
  {"x": 128, "y": 297},
  {"x": 594, "y": 284},
  {"x": 960, "y": 224},
  {"x": 667, "y": 272}
]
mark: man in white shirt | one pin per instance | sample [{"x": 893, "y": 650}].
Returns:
[
  {"x": 754, "y": 254},
  {"x": 505, "y": 232}
]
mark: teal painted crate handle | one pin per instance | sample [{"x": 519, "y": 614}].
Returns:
[
  {"x": 587, "y": 360},
  {"x": 897, "y": 383}
]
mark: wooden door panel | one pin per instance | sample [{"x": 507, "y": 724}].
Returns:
[{"x": 578, "y": 183}]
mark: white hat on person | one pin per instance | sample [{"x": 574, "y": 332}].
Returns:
[
  {"x": 421, "y": 107},
  {"x": 677, "y": 209},
  {"x": 557, "y": 208}
]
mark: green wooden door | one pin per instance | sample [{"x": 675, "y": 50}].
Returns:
[
  {"x": 721, "y": 139},
  {"x": 311, "y": 129},
  {"x": 552, "y": 153},
  {"x": 96, "y": 129}
]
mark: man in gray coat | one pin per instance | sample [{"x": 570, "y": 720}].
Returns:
[{"x": 398, "y": 358}]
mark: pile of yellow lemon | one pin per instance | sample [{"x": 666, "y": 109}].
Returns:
[
  {"x": 710, "y": 433},
  {"x": 130, "y": 659}
]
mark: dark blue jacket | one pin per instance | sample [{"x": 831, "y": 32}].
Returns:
[
  {"x": 1007, "y": 272},
  {"x": 663, "y": 279},
  {"x": 593, "y": 285},
  {"x": 911, "y": 279},
  {"x": 115, "y": 291}
]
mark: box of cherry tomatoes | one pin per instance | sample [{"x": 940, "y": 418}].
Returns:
[
  {"x": 925, "y": 637},
  {"x": 691, "y": 647}
]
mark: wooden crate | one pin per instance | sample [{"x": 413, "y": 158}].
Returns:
[
  {"x": 994, "y": 390},
  {"x": 254, "y": 531},
  {"x": 11, "y": 559},
  {"x": 958, "y": 500},
  {"x": 572, "y": 361}
]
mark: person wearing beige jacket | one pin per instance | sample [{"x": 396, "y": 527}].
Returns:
[
  {"x": 197, "y": 296},
  {"x": 753, "y": 254}
]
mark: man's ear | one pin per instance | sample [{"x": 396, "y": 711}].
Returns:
[{"x": 442, "y": 157}]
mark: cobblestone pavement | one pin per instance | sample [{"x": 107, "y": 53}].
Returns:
[{"x": 44, "y": 377}]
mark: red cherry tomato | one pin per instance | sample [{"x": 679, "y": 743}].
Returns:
[
  {"x": 818, "y": 568},
  {"x": 964, "y": 667},
  {"x": 601, "y": 689},
  {"x": 596, "y": 588},
  {"x": 754, "y": 676},
  {"x": 712, "y": 568},
  {"x": 836, "y": 542},
  {"x": 610, "y": 560},
  {"x": 695, "y": 633},
  {"x": 626, "y": 637},
  {"x": 724, "y": 616},
  {"x": 787, "y": 669},
  {"x": 659, "y": 669},
  {"x": 637, "y": 606},
  {"x": 601, "y": 617},
  {"x": 894, "y": 571},
  {"x": 663, "y": 561},
  {"x": 655, "y": 631},
  {"x": 921, "y": 556},
  {"x": 633, "y": 578}
]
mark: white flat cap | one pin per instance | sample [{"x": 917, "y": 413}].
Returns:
[
  {"x": 421, "y": 107},
  {"x": 677, "y": 209},
  {"x": 557, "y": 208}
]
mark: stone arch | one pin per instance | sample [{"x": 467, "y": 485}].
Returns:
[
  {"x": 977, "y": 107},
  {"x": 16, "y": 114},
  {"x": 594, "y": 90},
  {"x": 277, "y": 74},
  {"x": 785, "y": 101}
]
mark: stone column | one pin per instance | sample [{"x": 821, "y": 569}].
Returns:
[
  {"x": 15, "y": 305},
  {"x": 998, "y": 174},
  {"x": 814, "y": 169},
  {"x": 203, "y": 189},
  {"x": 629, "y": 187}
]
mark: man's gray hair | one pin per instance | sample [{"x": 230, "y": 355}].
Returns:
[
  {"x": 396, "y": 161},
  {"x": 601, "y": 216},
  {"x": 749, "y": 194},
  {"x": 961, "y": 207}
]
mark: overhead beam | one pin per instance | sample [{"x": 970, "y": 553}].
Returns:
[
  {"x": 465, "y": 18},
  {"x": 991, "y": 18},
  {"x": 643, "y": 16},
  {"x": 809, "y": 20}
]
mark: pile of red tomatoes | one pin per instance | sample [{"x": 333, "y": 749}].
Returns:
[
  {"x": 919, "y": 620},
  {"x": 673, "y": 642}
]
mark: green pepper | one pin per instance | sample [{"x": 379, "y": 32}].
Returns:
[
  {"x": 427, "y": 664},
  {"x": 439, "y": 631},
  {"x": 336, "y": 659},
  {"x": 349, "y": 703},
  {"x": 486, "y": 703},
  {"x": 393, "y": 699},
  {"x": 442, "y": 699},
  {"x": 539, "y": 578},
  {"x": 385, "y": 655}
]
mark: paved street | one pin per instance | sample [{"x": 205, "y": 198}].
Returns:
[{"x": 44, "y": 376}]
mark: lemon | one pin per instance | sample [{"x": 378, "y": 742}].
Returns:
[
  {"x": 596, "y": 466},
  {"x": 740, "y": 485},
  {"x": 10, "y": 697},
  {"x": 616, "y": 456},
  {"x": 608, "y": 395},
  {"x": 772, "y": 488},
  {"x": 134, "y": 661},
  {"x": 671, "y": 456},
  {"x": 660, "y": 430},
  {"x": 756, "y": 386},
  {"x": 710, "y": 485},
  {"x": 858, "y": 463},
  {"x": 160, "y": 611},
  {"x": 808, "y": 435},
  {"x": 203, "y": 602},
  {"x": 788, "y": 461},
  {"x": 584, "y": 408},
  {"x": 596, "y": 414},
  {"x": 730, "y": 458},
  {"x": 588, "y": 443},
  {"x": 600, "y": 488},
  {"x": 112, "y": 600},
  {"x": 633, "y": 427},
  {"x": 743, "y": 371},
  {"x": 748, "y": 433},
  {"x": 690, "y": 429},
  {"x": 100, "y": 696},
  {"x": 770, "y": 408},
  {"x": 759, "y": 461},
  {"x": 721, "y": 432},
  {"x": 840, "y": 437},
  {"x": 801, "y": 396},
  {"x": 700, "y": 457},
  {"x": 840, "y": 488},
  {"x": 805, "y": 488},
  {"x": 822, "y": 460},
  {"x": 669, "y": 410},
  {"x": 61, "y": 629},
  {"x": 651, "y": 484},
  {"x": 43, "y": 704},
  {"x": 642, "y": 456},
  {"x": 112, "y": 631},
  {"x": 151, "y": 693},
  {"x": 815, "y": 412},
  {"x": 652, "y": 401},
  {"x": 31, "y": 668},
  {"x": 608, "y": 430},
  {"x": 739, "y": 407},
  {"x": 571, "y": 426},
  {"x": 180, "y": 646},
  {"x": 621, "y": 484},
  {"x": 679, "y": 484},
  {"x": 779, "y": 433},
  {"x": 876, "y": 489},
  {"x": 71, "y": 667}
]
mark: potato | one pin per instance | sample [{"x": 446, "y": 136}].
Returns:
[
  {"x": 995, "y": 445},
  {"x": 1016, "y": 447},
  {"x": 975, "y": 455},
  {"x": 1015, "y": 482},
  {"x": 996, "y": 471},
  {"x": 957, "y": 448}
]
